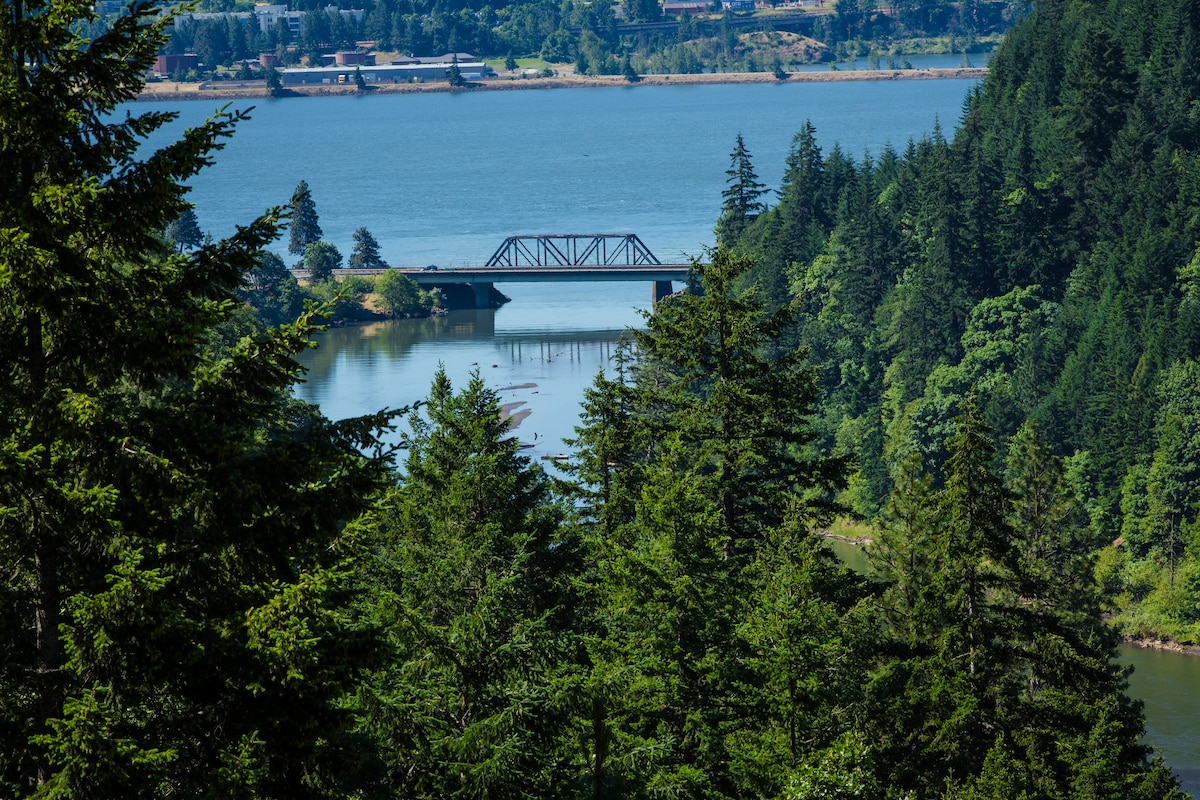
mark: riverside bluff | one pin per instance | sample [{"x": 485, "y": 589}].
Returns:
[{"x": 238, "y": 89}]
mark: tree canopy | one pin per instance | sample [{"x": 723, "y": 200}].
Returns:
[
  {"x": 304, "y": 228},
  {"x": 984, "y": 347},
  {"x": 366, "y": 251},
  {"x": 174, "y": 571}
]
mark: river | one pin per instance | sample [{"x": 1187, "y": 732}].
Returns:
[{"x": 444, "y": 178}]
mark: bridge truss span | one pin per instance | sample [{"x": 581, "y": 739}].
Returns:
[{"x": 573, "y": 250}]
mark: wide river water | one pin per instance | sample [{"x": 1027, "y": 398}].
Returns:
[{"x": 444, "y": 178}]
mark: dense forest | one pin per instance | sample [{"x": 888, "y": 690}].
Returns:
[
  {"x": 986, "y": 347},
  {"x": 1044, "y": 261},
  {"x": 588, "y": 34}
]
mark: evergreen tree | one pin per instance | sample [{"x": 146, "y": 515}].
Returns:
[
  {"x": 801, "y": 191},
  {"x": 628, "y": 71},
  {"x": 366, "y": 251},
  {"x": 304, "y": 229},
  {"x": 454, "y": 74},
  {"x": 1002, "y": 691},
  {"x": 474, "y": 589},
  {"x": 901, "y": 552},
  {"x": 321, "y": 259},
  {"x": 804, "y": 633},
  {"x": 185, "y": 232},
  {"x": 720, "y": 453},
  {"x": 173, "y": 565},
  {"x": 1055, "y": 544},
  {"x": 741, "y": 204},
  {"x": 711, "y": 376},
  {"x": 611, "y": 444}
]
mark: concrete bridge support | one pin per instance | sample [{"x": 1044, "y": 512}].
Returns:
[
  {"x": 483, "y": 294},
  {"x": 661, "y": 289}
]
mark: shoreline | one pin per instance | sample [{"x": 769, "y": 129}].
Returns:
[
  {"x": 167, "y": 91},
  {"x": 1169, "y": 645}
]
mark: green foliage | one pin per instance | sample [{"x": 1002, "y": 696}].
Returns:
[
  {"x": 1008, "y": 686},
  {"x": 273, "y": 292},
  {"x": 627, "y": 70},
  {"x": 365, "y": 254},
  {"x": 1043, "y": 260},
  {"x": 473, "y": 586},
  {"x": 185, "y": 232},
  {"x": 736, "y": 402},
  {"x": 741, "y": 204},
  {"x": 321, "y": 259},
  {"x": 1057, "y": 544},
  {"x": 304, "y": 228},
  {"x": 717, "y": 612},
  {"x": 342, "y": 300},
  {"x": 174, "y": 568},
  {"x": 399, "y": 294},
  {"x": 609, "y": 443},
  {"x": 454, "y": 74},
  {"x": 274, "y": 82}
]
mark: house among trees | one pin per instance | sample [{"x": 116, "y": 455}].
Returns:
[
  {"x": 674, "y": 8},
  {"x": 354, "y": 58}
]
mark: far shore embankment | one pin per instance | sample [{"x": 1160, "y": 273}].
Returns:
[{"x": 168, "y": 91}]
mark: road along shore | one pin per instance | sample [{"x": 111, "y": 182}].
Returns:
[{"x": 168, "y": 90}]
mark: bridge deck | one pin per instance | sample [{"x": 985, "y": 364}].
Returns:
[
  {"x": 618, "y": 272},
  {"x": 547, "y": 258},
  {"x": 657, "y": 272}
]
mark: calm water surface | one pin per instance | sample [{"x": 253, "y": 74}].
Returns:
[
  {"x": 444, "y": 178},
  {"x": 1169, "y": 685}
]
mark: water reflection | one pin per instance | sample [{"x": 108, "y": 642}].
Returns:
[{"x": 391, "y": 364}]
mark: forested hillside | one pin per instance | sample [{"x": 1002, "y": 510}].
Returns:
[
  {"x": 1043, "y": 261},
  {"x": 985, "y": 345}
]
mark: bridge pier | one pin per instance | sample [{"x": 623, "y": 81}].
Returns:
[
  {"x": 483, "y": 294},
  {"x": 661, "y": 289}
]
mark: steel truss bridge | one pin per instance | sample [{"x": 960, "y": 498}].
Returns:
[
  {"x": 553, "y": 258},
  {"x": 572, "y": 250}
]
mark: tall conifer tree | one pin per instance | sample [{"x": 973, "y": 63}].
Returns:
[
  {"x": 305, "y": 228},
  {"x": 170, "y": 513},
  {"x": 474, "y": 585},
  {"x": 741, "y": 199}
]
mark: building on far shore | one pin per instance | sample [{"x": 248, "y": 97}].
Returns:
[
  {"x": 403, "y": 70},
  {"x": 674, "y": 8},
  {"x": 166, "y": 64}
]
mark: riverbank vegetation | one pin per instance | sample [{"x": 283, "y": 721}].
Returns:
[
  {"x": 277, "y": 297},
  {"x": 985, "y": 345}
]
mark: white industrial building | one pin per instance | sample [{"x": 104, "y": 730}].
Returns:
[{"x": 402, "y": 71}]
